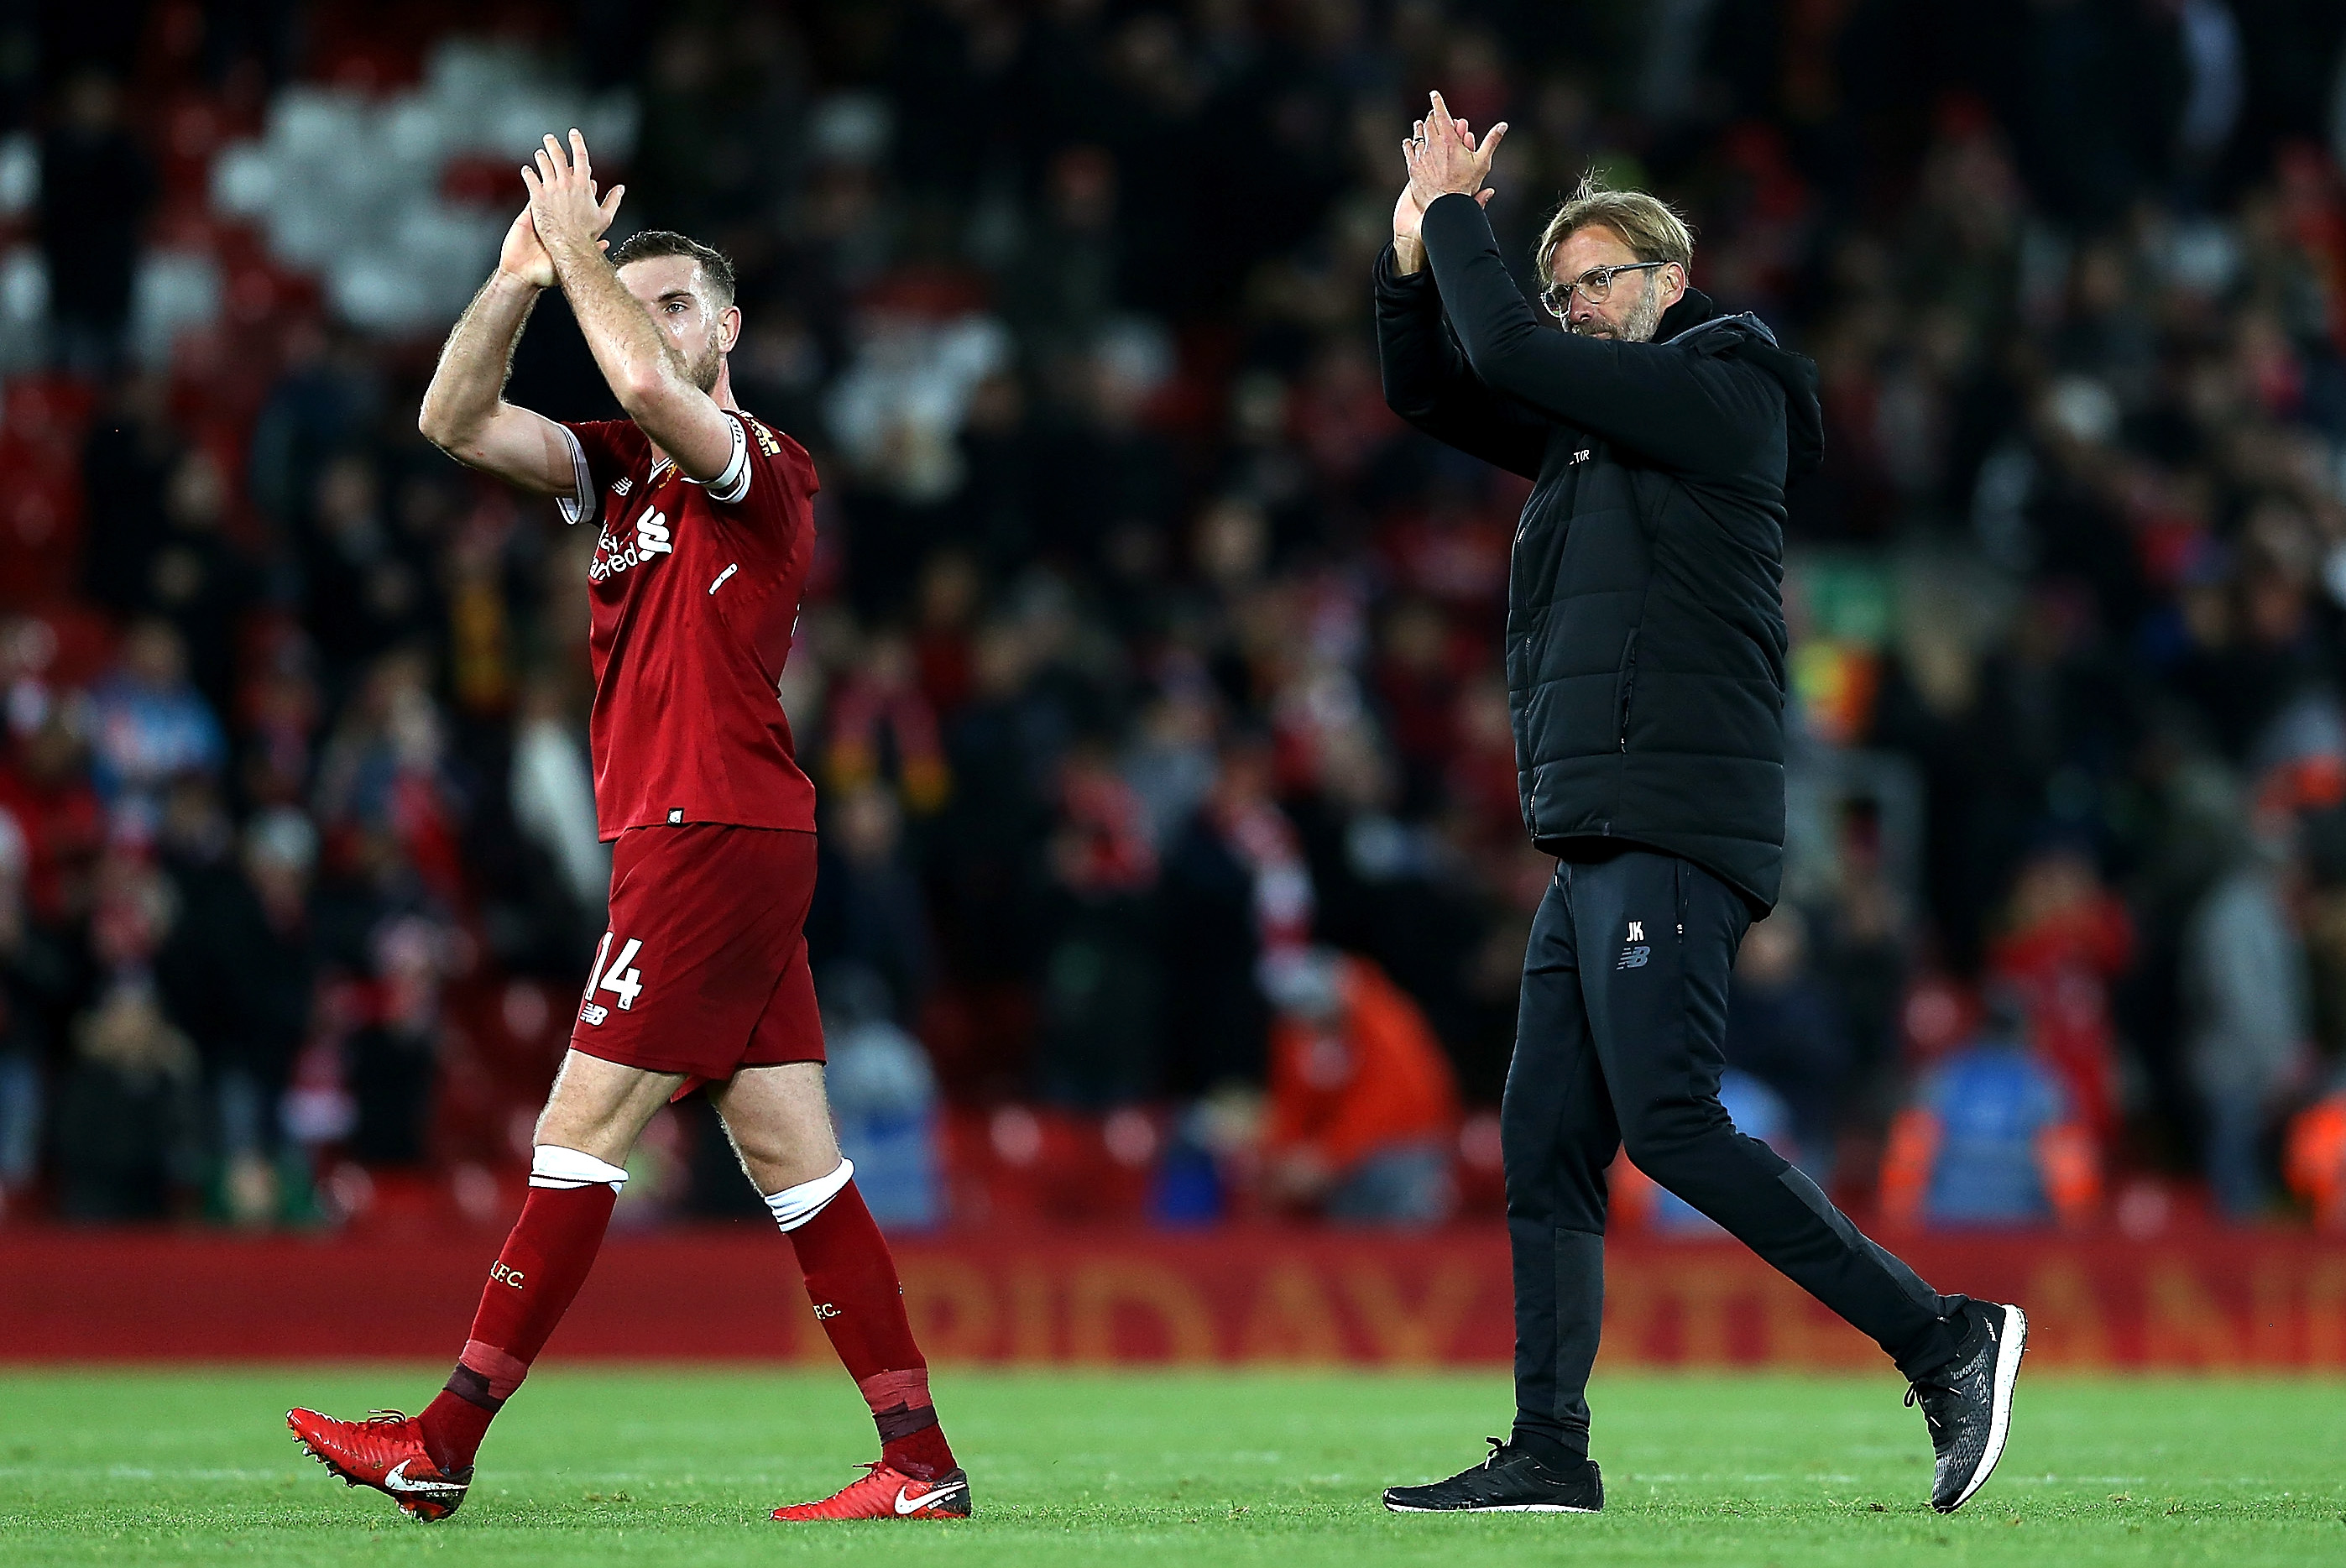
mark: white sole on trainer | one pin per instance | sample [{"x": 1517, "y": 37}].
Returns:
[
  {"x": 1497, "y": 1508},
  {"x": 2010, "y": 1346}
]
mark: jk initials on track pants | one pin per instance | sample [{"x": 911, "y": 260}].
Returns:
[{"x": 1619, "y": 1041}]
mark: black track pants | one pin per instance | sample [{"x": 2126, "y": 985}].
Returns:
[{"x": 1619, "y": 1041}]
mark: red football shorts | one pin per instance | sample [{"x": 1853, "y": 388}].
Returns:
[{"x": 704, "y": 970}]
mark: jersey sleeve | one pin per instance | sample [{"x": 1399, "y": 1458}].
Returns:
[
  {"x": 596, "y": 463},
  {"x": 767, "y": 475}
]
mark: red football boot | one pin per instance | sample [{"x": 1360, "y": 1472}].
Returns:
[
  {"x": 886, "y": 1493},
  {"x": 384, "y": 1451}
]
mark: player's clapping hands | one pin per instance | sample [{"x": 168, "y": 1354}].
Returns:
[{"x": 564, "y": 214}]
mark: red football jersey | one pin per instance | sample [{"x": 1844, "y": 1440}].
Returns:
[{"x": 695, "y": 591}]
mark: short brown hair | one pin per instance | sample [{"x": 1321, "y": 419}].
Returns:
[
  {"x": 1650, "y": 226},
  {"x": 646, "y": 244}
]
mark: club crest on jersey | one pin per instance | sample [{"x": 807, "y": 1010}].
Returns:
[{"x": 651, "y": 538}]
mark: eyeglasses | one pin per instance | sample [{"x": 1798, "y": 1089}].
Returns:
[{"x": 1595, "y": 285}]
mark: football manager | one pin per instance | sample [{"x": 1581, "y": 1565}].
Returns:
[{"x": 1646, "y": 677}]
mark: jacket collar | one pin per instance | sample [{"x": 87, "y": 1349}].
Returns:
[{"x": 1693, "y": 309}]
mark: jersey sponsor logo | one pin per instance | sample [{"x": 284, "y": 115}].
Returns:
[
  {"x": 1634, "y": 957},
  {"x": 905, "y": 1503},
  {"x": 651, "y": 535}
]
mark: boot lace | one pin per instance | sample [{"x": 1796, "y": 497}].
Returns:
[{"x": 1933, "y": 1394}]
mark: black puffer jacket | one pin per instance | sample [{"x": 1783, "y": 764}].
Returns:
[{"x": 1646, "y": 646}]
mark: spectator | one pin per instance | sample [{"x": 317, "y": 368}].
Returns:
[
  {"x": 365, "y": 594},
  {"x": 393, "y": 1057},
  {"x": 1236, "y": 891},
  {"x": 237, "y": 977},
  {"x": 149, "y": 725},
  {"x": 1784, "y": 1029},
  {"x": 125, "y": 469},
  {"x": 2314, "y": 1155},
  {"x": 37, "y": 976},
  {"x": 1757, "y": 1111},
  {"x": 95, "y": 190},
  {"x": 1990, "y": 1137},
  {"x": 1363, "y": 1106},
  {"x": 2246, "y": 988},
  {"x": 48, "y": 793},
  {"x": 1103, "y": 990},
  {"x": 553, "y": 793},
  {"x": 194, "y": 577},
  {"x": 2064, "y": 938},
  {"x": 869, "y": 913},
  {"x": 128, "y": 1129},
  {"x": 881, "y": 726},
  {"x": 127, "y": 1138},
  {"x": 386, "y": 772},
  {"x": 884, "y": 1097}
]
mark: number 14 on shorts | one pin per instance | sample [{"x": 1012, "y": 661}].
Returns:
[{"x": 621, "y": 979}]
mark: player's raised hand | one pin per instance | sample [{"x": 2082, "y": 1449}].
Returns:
[
  {"x": 565, "y": 211},
  {"x": 523, "y": 256}
]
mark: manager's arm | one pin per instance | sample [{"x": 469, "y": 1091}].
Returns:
[
  {"x": 1429, "y": 383},
  {"x": 1686, "y": 410}
]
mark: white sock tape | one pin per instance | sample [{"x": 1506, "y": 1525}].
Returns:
[
  {"x": 794, "y": 1205},
  {"x": 556, "y": 1166}
]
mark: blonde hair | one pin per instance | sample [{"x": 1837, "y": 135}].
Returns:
[{"x": 1650, "y": 226}]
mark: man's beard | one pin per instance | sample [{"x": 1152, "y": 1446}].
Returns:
[
  {"x": 704, "y": 374},
  {"x": 1640, "y": 327}
]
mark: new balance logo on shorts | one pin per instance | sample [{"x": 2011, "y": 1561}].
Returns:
[{"x": 1635, "y": 955}]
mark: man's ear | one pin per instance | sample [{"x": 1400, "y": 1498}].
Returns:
[
  {"x": 1674, "y": 285},
  {"x": 728, "y": 329}
]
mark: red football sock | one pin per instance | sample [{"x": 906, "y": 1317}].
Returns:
[
  {"x": 544, "y": 1260},
  {"x": 852, "y": 1281}
]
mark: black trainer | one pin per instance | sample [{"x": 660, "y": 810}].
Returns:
[
  {"x": 1968, "y": 1403},
  {"x": 1509, "y": 1482}
]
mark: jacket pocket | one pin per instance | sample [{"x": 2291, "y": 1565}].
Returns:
[{"x": 1624, "y": 689}]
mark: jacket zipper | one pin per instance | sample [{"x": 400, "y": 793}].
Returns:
[{"x": 1628, "y": 684}]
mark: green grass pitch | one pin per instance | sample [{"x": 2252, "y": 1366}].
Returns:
[{"x": 661, "y": 1465}]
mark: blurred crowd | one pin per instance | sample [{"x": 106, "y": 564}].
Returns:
[{"x": 1149, "y": 675}]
